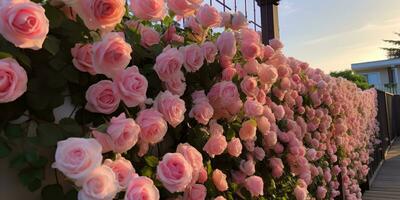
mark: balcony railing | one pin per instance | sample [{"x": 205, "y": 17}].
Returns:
[{"x": 388, "y": 87}]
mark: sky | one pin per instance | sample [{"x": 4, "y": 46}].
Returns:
[{"x": 333, "y": 34}]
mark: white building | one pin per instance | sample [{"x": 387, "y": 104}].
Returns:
[{"x": 383, "y": 74}]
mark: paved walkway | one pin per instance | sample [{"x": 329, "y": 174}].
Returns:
[{"x": 386, "y": 185}]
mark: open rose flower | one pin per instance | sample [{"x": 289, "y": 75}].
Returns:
[
  {"x": 13, "y": 80},
  {"x": 171, "y": 106},
  {"x": 215, "y": 145},
  {"x": 239, "y": 21},
  {"x": 193, "y": 57},
  {"x": 210, "y": 51},
  {"x": 174, "y": 172},
  {"x": 142, "y": 188},
  {"x": 168, "y": 63},
  {"x": 124, "y": 133},
  {"x": 111, "y": 55},
  {"x": 235, "y": 147},
  {"x": 184, "y": 7},
  {"x": 219, "y": 180},
  {"x": 148, "y": 9},
  {"x": 132, "y": 86},
  {"x": 149, "y": 37},
  {"x": 101, "y": 183},
  {"x": 195, "y": 192},
  {"x": 202, "y": 112},
  {"x": 83, "y": 58},
  {"x": 255, "y": 185},
  {"x": 24, "y": 24},
  {"x": 208, "y": 16},
  {"x": 99, "y": 14},
  {"x": 77, "y": 157},
  {"x": 122, "y": 169},
  {"x": 176, "y": 84},
  {"x": 194, "y": 157},
  {"x": 226, "y": 44},
  {"x": 224, "y": 98},
  {"x": 152, "y": 126},
  {"x": 102, "y": 97}
]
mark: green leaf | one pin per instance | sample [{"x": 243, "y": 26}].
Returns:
[
  {"x": 52, "y": 44},
  {"x": 70, "y": 127},
  {"x": 49, "y": 134},
  {"x": 56, "y": 16},
  {"x": 31, "y": 178},
  {"x": 102, "y": 128},
  {"x": 35, "y": 159},
  {"x": 13, "y": 131},
  {"x": 5, "y": 55},
  {"x": 18, "y": 161},
  {"x": 5, "y": 150},
  {"x": 151, "y": 161},
  {"x": 71, "y": 74},
  {"x": 52, "y": 192},
  {"x": 147, "y": 171}
]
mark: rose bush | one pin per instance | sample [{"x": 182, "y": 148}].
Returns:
[{"x": 164, "y": 111}]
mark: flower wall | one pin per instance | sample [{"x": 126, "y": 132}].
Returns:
[{"x": 164, "y": 111}]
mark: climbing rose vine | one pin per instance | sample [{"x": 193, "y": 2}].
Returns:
[{"x": 135, "y": 105}]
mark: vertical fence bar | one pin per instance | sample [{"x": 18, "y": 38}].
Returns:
[
  {"x": 269, "y": 19},
  {"x": 235, "y": 5}
]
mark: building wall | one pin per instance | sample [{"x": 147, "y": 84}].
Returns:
[{"x": 383, "y": 74}]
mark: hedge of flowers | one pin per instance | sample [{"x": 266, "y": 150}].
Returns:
[{"x": 166, "y": 109}]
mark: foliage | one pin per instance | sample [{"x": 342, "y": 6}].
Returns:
[
  {"x": 393, "y": 52},
  {"x": 350, "y": 75}
]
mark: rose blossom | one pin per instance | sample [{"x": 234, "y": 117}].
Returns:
[
  {"x": 171, "y": 106},
  {"x": 148, "y": 9},
  {"x": 149, "y": 37},
  {"x": 99, "y": 14},
  {"x": 235, "y": 147},
  {"x": 176, "y": 84},
  {"x": 228, "y": 73},
  {"x": 24, "y": 24},
  {"x": 192, "y": 23},
  {"x": 111, "y": 55},
  {"x": 250, "y": 50},
  {"x": 124, "y": 133},
  {"x": 226, "y": 44},
  {"x": 168, "y": 63},
  {"x": 219, "y": 180},
  {"x": 83, "y": 58},
  {"x": 300, "y": 193},
  {"x": 249, "y": 86},
  {"x": 13, "y": 80},
  {"x": 193, "y": 156},
  {"x": 202, "y": 112},
  {"x": 202, "y": 176},
  {"x": 77, "y": 157},
  {"x": 152, "y": 126},
  {"x": 251, "y": 66},
  {"x": 174, "y": 172},
  {"x": 171, "y": 36},
  {"x": 220, "y": 198},
  {"x": 208, "y": 16},
  {"x": 239, "y": 21},
  {"x": 141, "y": 188},
  {"x": 132, "y": 86},
  {"x": 263, "y": 124},
  {"x": 122, "y": 169},
  {"x": 267, "y": 74},
  {"x": 102, "y": 97},
  {"x": 248, "y": 130},
  {"x": 193, "y": 57},
  {"x": 101, "y": 183},
  {"x": 248, "y": 166},
  {"x": 253, "y": 108},
  {"x": 215, "y": 145},
  {"x": 184, "y": 7},
  {"x": 226, "y": 19},
  {"x": 277, "y": 166},
  {"x": 255, "y": 185},
  {"x": 195, "y": 192},
  {"x": 209, "y": 51},
  {"x": 321, "y": 192},
  {"x": 224, "y": 98}
]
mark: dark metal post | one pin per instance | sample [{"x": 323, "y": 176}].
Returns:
[{"x": 269, "y": 19}]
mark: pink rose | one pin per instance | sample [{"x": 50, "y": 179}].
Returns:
[
  {"x": 268, "y": 52},
  {"x": 208, "y": 16},
  {"x": 176, "y": 84},
  {"x": 277, "y": 166},
  {"x": 220, "y": 198},
  {"x": 250, "y": 50},
  {"x": 228, "y": 73},
  {"x": 195, "y": 192},
  {"x": 124, "y": 133},
  {"x": 263, "y": 124},
  {"x": 193, "y": 57},
  {"x": 171, "y": 36},
  {"x": 248, "y": 167},
  {"x": 219, "y": 180},
  {"x": 111, "y": 55},
  {"x": 171, "y": 106},
  {"x": 255, "y": 185},
  {"x": 102, "y": 97},
  {"x": 226, "y": 62},
  {"x": 184, "y": 7},
  {"x": 248, "y": 130},
  {"x": 253, "y": 108},
  {"x": 152, "y": 126},
  {"x": 210, "y": 51},
  {"x": 122, "y": 169},
  {"x": 101, "y": 183},
  {"x": 192, "y": 23},
  {"x": 226, "y": 44},
  {"x": 235, "y": 147},
  {"x": 226, "y": 19},
  {"x": 321, "y": 192},
  {"x": 202, "y": 112},
  {"x": 77, "y": 157},
  {"x": 270, "y": 139},
  {"x": 267, "y": 74},
  {"x": 149, "y": 37},
  {"x": 174, "y": 172},
  {"x": 300, "y": 193},
  {"x": 13, "y": 80},
  {"x": 239, "y": 21},
  {"x": 24, "y": 24},
  {"x": 249, "y": 86},
  {"x": 168, "y": 63},
  {"x": 224, "y": 98},
  {"x": 276, "y": 44},
  {"x": 251, "y": 66},
  {"x": 148, "y": 9},
  {"x": 134, "y": 24},
  {"x": 132, "y": 86},
  {"x": 215, "y": 145},
  {"x": 142, "y": 188},
  {"x": 193, "y": 156},
  {"x": 202, "y": 176},
  {"x": 259, "y": 153},
  {"x": 83, "y": 58},
  {"x": 99, "y": 14}
]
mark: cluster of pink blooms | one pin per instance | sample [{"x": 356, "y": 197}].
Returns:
[{"x": 315, "y": 128}]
